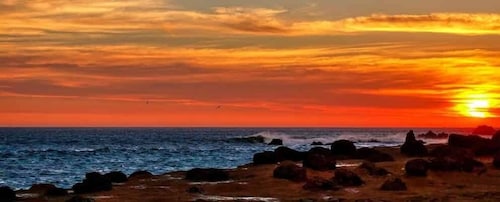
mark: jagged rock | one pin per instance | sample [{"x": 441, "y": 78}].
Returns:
[
  {"x": 288, "y": 170},
  {"x": 207, "y": 175},
  {"x": 116, "y": 177},
  {"x": 372, "y": 155},
  {"x": 417, "y": 167},
  {"x": 267, "y": 157},
  {"x": 276, "y": 142},
  {"x": 393, "y": 184},
  {"x": 317, "y": 143},
  {"x": 285, "y": 153},
  {"x": 412, "y": 147},
  {"x": 319, "y": 158},
  {"x": 320, "y": 184},
  {"x": 343, "y": 147},
  {"x": 347, "y": 178},
  {"x": 7, "y": 194},
  {"x": 372, "y": 169},
  {"x": 432, "y": 135}
]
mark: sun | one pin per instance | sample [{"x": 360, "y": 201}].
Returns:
[{"x": 478, "y": 108}]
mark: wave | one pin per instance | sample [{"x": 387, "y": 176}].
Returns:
[{"x": 361, "y": 139}]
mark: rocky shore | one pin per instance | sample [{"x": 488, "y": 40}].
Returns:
[{"x": 465, "y": 169}]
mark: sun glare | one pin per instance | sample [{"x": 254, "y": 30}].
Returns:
[
  {"x": 475, "y": 106},
  {"x": 478, "y": 108}
]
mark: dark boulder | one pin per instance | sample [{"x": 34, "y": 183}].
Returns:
[
  {"x": 417, "y": 167},
  {"x": 140, "y": 174},
  {"x": 452, "y": 151},
  {"x": 319, "y": 158},
  {"x": 93, "y": 182},
  {"x": 317, "y": 143},
  {"x": 80, "y": 199},
  {"x": 320, "y": 184},
  {"x": 372, "y": 155},
  {"x": 456, "y": 163},
  {"x": 480, "y": 146},
  {"x": 484, "y": 130},
  {"x": 393, "y": 184},
  {"x": 276, "y": 142},
  {"x": 267, "y": 157},
  {"x": 207, "y": 175},
  {"x": 116, "y": 177},
  {"x": 496, "y": 138},
  {"x": 347, "y": 178},
  {"x": 7, "y": 194},
  {"x": 412, "y": 147},
  {"x": 47, "y": 190},
  {"x": 496, "y": 160},
  {"x": 343, "y": 147},
  {"x": 285, "y": 153},
  {"x": 372, "y": 169},
  {"x": 290, "y": 171}
]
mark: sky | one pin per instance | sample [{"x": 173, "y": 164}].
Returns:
[{"x": 240, "y": 63}]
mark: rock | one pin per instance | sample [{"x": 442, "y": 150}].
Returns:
[
  {"x": 141, "y": 174},
  {"x": 446, "y": 150},
  {"x": 393, "y": 184},
  {"x": 276, "y": 142},
  {"x": 116, "y": 177},
  {"x": 372, "y": 155},
  {"x": 251, "y": 139},
  {"x": 285, "y": 153},
  {"x": 417, "y": 167},
  {"x": 317, "y": 143},
  {"x": 347, "y": 178},
  {"x": 288, "y": 170},
  {"x": 480, "y": 146},
  {"x": 484, "y": 130},
  {"x": 195, "y": 190},
  {"x": 80, "y": 199},
  {"x": 372, "y": 169},
  {"x": 7, "y": 194},
  {"x": 319, "y": 158},
  {"x": 207, "y": 175},
  {"x": 432, "y": 135},
  {"x": 93, "y": 182},
  {"x": 412, "y": 147},
  {"x": 320, "y": 184},
  {"x": 47, "y": 190},
  {"x": 344, "y": 148},
  {"x": 456, "y": 163},
  {"x": 267, "y": 157},
  {"x": 496, "y": 161},
  {"x": 496, "y": 138}
]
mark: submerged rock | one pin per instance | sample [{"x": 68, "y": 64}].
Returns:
[
  {"x": 372, "y": 169},
  {"x": 93, "y": 182},
  {"x": 116, "y": 177},
  {"x": 347, "y": 178},
  {"x": 319, "y": 158},
  {"x": 141, "y": 174},
  {"x": 343, "y": 147},
  {"x": 266, "y": 157},
  {"x": 317, "y": 143},
  {"x": 7, "y": 194},
  {"x": 320, "y": 184},
  {"x": 276, "y": 142},
  {"x": 251, "y": 139},
  {"x": 417, "y": 167},
  {"x": 412, "y": 147},
  {"x": 288, "y": 170},
  {"x": 393, "y": 184},
  {"x": 432, "y": 135},
  {"x": 207, "y": 175}
]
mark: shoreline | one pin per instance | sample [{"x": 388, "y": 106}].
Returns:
[{"x": 252, "y": 182}]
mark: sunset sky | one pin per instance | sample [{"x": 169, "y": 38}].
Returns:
[{"x": 342, "y": 63}]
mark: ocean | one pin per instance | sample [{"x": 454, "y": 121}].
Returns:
[{"x": 62, "y": 156}]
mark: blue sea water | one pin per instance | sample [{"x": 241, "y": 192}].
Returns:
[{"x": 62, "y": 156}]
